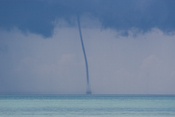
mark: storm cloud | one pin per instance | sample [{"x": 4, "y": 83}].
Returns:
[{"x": 39, "y": 16}]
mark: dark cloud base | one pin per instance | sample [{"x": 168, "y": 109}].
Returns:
[{"x": 38, "y": 16}]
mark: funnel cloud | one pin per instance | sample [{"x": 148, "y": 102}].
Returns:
[{"x": 85, "y": 58}]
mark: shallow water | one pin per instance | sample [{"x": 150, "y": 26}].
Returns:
[{"x": 87, "y": 105}]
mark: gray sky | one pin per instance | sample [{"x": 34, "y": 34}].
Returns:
[{"x": 129, "y": 45}]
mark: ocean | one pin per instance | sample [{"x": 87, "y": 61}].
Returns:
[{"x": 87, "y": 105}]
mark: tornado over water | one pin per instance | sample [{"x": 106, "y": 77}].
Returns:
[{"x": 84, "y": 52}]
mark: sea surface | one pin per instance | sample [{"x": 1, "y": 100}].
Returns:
[{"x": 87, "y": 105}]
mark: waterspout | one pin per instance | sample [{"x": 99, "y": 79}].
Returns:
[{"x": 86, "y": 62}]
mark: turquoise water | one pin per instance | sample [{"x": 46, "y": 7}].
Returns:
[{"x": 87, "y": 105}]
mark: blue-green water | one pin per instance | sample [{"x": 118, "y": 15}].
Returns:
[{"x": 87, "y": 105}]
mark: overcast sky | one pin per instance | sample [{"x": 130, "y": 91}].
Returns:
[{"x": 130, "y": 46}]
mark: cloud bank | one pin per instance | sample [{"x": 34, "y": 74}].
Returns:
[{"x": 38, "y": 16}]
